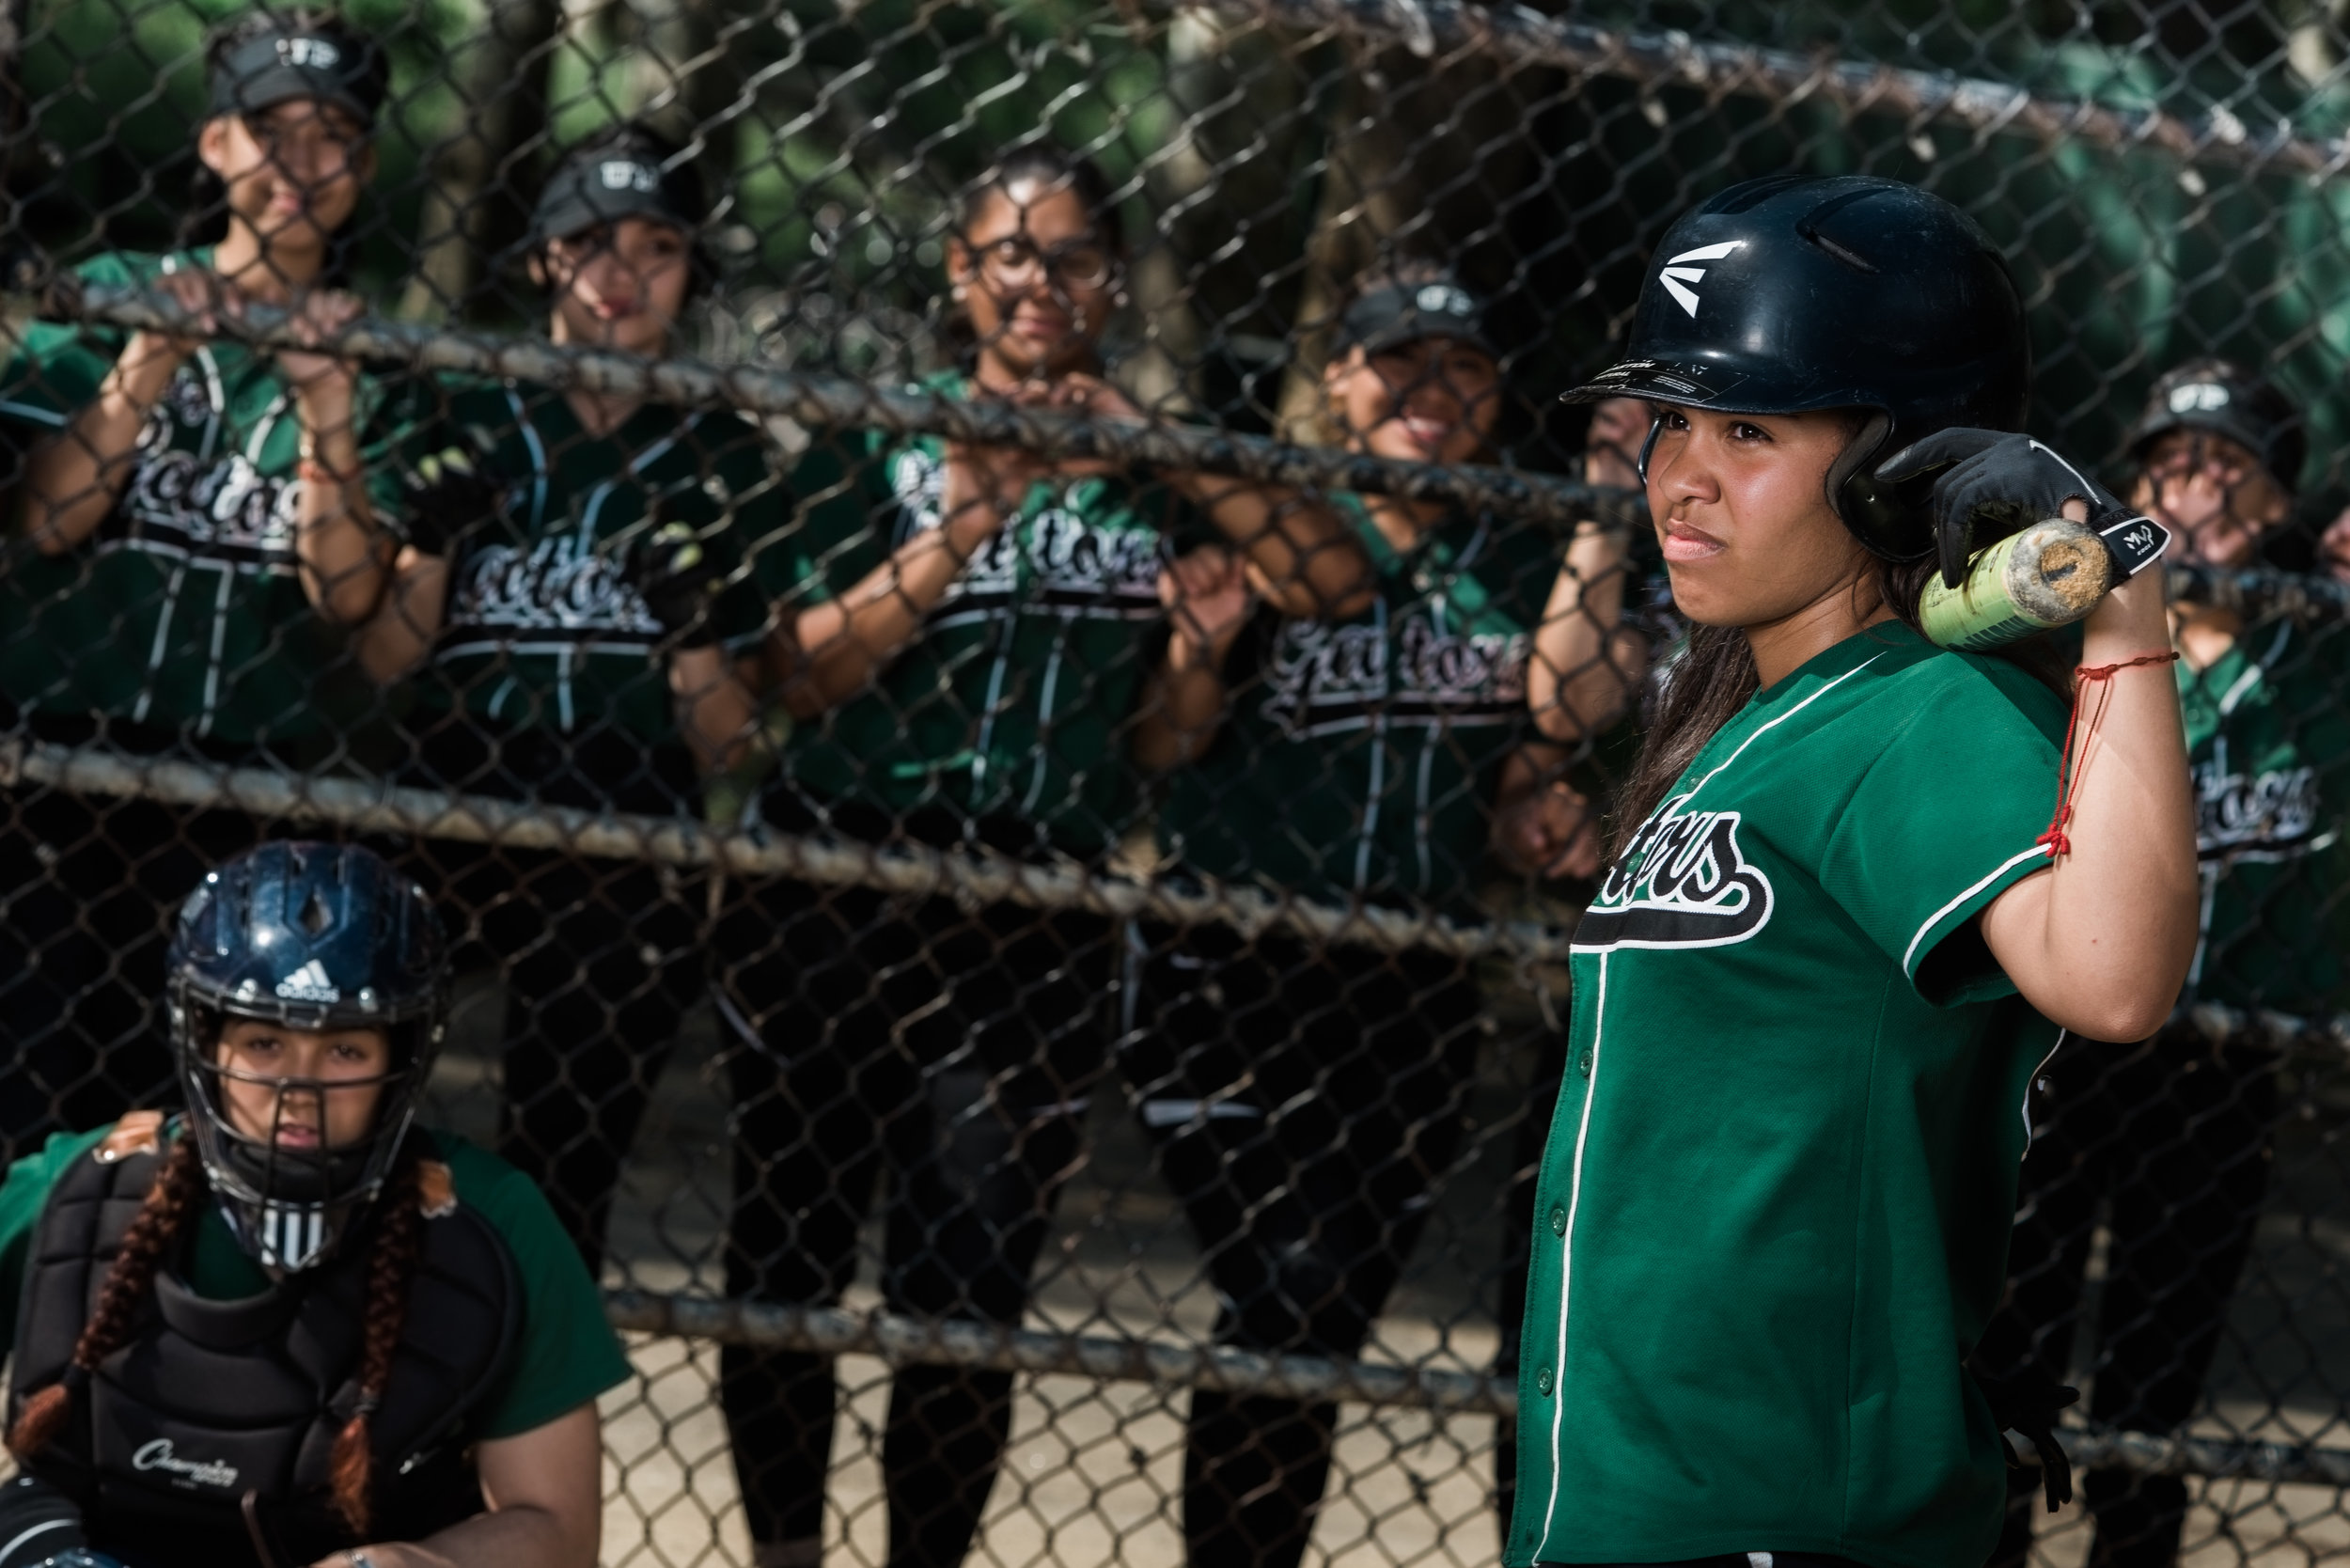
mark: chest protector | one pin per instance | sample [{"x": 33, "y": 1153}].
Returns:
[{"x": 217, "y": 1420}]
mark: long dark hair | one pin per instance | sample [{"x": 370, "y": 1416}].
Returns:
[
  {"x": 174, "y": 1198},
  {"x": 204, "y": 221},
  {"x": 1713, "y": 678}
]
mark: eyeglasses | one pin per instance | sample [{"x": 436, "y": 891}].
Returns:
[{"x": 1018, "y": 264}]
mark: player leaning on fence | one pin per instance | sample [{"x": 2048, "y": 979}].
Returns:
[
  {"x": 565, "y": 605},
  {"x": 1841, "y": 929},
  {"x": 2173, "y": 1132},
  {"x": 200, "y": 521},
  {"x": 289, "y": 1321},
  {"x": 965, "y": 640},
  {"x": 1306, "y": 1099}
]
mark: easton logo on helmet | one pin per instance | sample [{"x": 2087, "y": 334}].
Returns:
[
  {"x": 309, "y": 984},
  {"x": 1676, "y": 277}
]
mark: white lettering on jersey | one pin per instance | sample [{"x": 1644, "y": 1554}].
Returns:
[
  {"x": 1327, "y": 680},
  {"x": 1068, "y": 565},
  {"x": 2236, "y": 813},
  {"x": 1683, "y": 882},
  {"x": 554, "y": 585}
]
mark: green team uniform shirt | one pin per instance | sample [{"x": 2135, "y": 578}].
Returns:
[
  {"x": 542, "y": 627},
  {"x": 1359, "y": 757},
  {"x": 2270, "y": 748},
  {"x": 1013, "y": 701},
  {"x": 565, "y": 1355},
  {"x": 1771, "y": 1218},
  {"x": 184, "y": 609}
]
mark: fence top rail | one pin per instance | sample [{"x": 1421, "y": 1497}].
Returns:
[
  {"x": 1523, "y": 37},
  {"x": 823, "y": 402}
]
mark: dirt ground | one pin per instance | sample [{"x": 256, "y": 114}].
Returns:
[{"x": 1093, "y": 1474}]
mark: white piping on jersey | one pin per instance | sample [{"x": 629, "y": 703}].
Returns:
[
  {"x": 995, "y": 697},
  {"x": 539, "y": 463},
  {"x": 41, "y": 417},
  {"x": 1423, "y": 809},
  {"x": 1044, "y": 714},
  {"x": 163, "y": 634},
  {"x": 1180, "y": 1113},
  {"x": 1763, "y": 729},
  {"x": 2209, "y": 872},
  {"x": 1378, "y": 764},
  {"x": 2062, "y": 1035},
  {"x": 224, "y": 576},
  {"x": 1989, "y": 877},
  {"x": 9, "y": 1551},
  {"x": 1566, "y": 1256},
  {"x": 216, "y": 394}
]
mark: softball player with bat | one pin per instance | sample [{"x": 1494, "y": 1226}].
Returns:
[
  {"x": 2172, "y": 1133},
  {"x": 1852, "y": 910}
]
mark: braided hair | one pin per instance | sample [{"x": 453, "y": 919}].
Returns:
[
  {"x": 398, "y": 1242},
  {"x": 169, "y": 1202}
]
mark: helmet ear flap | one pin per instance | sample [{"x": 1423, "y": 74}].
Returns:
[{"x": 1873, "y": 513}]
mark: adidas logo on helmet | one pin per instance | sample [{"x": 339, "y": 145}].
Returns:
[{"x": 309, "y": 984}]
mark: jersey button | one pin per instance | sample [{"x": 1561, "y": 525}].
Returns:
[
  {"x": 1583, "y": 1063},
  {"x": 1557, "y": 1222},
  {"x": 1543, "y": 1381}
]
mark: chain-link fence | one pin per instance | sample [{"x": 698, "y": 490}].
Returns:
[{"x": 1013, "y": 783}]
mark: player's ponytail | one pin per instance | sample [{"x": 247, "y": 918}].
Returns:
[
  {"x": 391, "y": 1268},
  {"x": 169, "y": 1202}
]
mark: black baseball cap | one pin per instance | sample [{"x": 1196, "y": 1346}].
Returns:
[
  {"x": 627, "y": 176},
  {"x": 1393, "y": 313},
  {"x": 2224, "y": 397},
  {"x": 334, "y": 65}
]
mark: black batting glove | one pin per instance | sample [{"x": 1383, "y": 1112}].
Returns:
[
  {"x": 677, "y": 581},
  {"x": 1994, "y": 484},
  {"x": 449, "y": 494}
]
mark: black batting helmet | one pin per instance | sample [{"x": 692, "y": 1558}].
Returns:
[{"x": 1792, "y": 294}]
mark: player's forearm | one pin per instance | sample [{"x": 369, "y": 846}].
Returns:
[
  {"x": 839, "y": 646},
  {"x": 717, "y": 711},
  {"x": 76, "y": 478},
  {"x": 396, "y": 637},
  {"x": 2100, "y": 943},
  {"x": 1581, "y": 681},
  {"x": 1307, "y": 560},
  {"x": 1183, "y": 704},
  {"x": 507, "y": 1538}
]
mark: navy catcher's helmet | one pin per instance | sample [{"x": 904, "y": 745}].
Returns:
[
  {"x": 314, "y": 937},
  {"x": 1793, "y": 293}
]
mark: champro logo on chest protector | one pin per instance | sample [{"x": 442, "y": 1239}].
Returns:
[{"x": 1683, "y": 882}]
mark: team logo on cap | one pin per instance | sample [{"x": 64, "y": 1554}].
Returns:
[
  {"x": 309, "y": 54},
  {"x": 1444, "y": 299},
  {"x": 620, "y": 174},
  {"x": 2198, "y": 397},
  {"x": 1677, "y": 277}
]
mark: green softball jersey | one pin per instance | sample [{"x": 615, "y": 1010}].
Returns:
[
  {"x": 542, "y": 627},
  {"x": 1013, "y": 701},
  {"x": 1359, "y": 757},
  {"x": 565, "y": 1354},
  {"x": 183, "y": 610},
  {"x": 2270, "y": 748},
  {"x": 1773, "y": 1215}
]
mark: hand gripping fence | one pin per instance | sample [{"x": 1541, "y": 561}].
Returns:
[{"x": 772, "y": 1071}]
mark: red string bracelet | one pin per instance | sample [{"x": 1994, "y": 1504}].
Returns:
[{"x": 2067, "y": 778}]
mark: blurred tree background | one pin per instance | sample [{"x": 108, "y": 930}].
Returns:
[{"x": 1263, "y": 166}]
